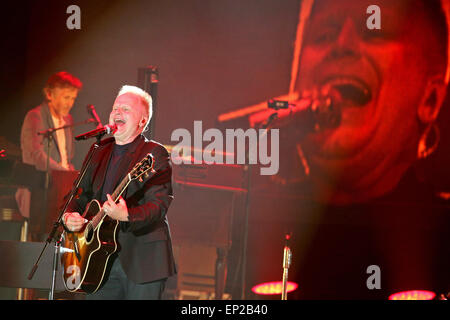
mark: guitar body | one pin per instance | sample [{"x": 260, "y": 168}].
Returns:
[{"x": 85, "y": 254}]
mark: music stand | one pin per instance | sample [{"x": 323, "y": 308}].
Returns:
[{"x": 19, "y": 255}]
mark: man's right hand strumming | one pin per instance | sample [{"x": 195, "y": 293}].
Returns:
[{"x": 73, "y": 221}]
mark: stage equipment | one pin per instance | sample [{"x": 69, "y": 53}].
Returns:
[
  {"x": 287, "y": 255},
  {"x": 148, "y": 80},
  {"x": 413, "y": 295},
  {"x": 19, "y": 256},
  {"x": 91, "y": 110},
  {"x": 201, "y": 219},
  {"x": 97, "y": 133},
  {"x": 13, "y": 227},
  {"x": 274, "y": 287}
]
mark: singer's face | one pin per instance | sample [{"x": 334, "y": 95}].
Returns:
[
  {"x": 129, "y": 114},
  {"x": 380, "y": 76},
  {"x": 61, "y": 100}
]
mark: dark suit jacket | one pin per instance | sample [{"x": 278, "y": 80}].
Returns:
[
  {"x": 34, "y": 146},
  {"x": 145, "y": 245}
]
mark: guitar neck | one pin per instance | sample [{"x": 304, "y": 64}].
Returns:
[{"x": 121, "y": 188}]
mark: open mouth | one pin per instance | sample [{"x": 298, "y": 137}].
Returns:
[
  {"x": 119, "y": 122},
  {"x": 354, "y": 92}
]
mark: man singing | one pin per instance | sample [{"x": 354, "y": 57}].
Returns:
[{"x": 145, "y": 260}]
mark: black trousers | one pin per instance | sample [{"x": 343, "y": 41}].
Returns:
[{"x": 119, "y": 287}]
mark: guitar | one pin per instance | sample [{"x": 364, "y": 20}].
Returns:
[{"x": 85, "y": 254}]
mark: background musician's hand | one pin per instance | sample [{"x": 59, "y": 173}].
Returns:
[
  {"x": 117, "y": 211},
  {"x": 73, "y": 221}
]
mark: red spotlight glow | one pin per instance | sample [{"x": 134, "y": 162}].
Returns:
[
  {"x": 274, "y": 287},
  {"x": 413, "y": 295}
]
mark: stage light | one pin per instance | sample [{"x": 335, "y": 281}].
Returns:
[
  {"x": 274, "y": 287},
  {"x": 413, "y": 295}
]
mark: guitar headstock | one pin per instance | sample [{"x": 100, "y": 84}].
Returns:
[{"x": 142, "y": 168}]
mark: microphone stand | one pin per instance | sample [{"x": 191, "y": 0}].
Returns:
[
  {"x": 325, "y": 112},
  {"x": 49, "y": 134},
  {"x": 287, "y": 256},
  {"x": 49, "y": 131},
  {"x": 265, "y": 126}
]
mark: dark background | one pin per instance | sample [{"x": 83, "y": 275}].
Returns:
[{"x": 212, "y": 57}]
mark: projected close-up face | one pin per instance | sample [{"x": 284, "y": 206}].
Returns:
[{"x": 386, "y": 79}]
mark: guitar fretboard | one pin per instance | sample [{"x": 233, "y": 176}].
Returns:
[{"x": 115, "y": 195}]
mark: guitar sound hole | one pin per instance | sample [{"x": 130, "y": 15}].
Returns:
[{"x": 89, "y": 233}]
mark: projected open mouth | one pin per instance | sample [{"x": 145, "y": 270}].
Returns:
[{"x": 354, "y": 92}]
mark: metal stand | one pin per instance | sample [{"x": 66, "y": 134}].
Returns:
[
  {"x": 287, "y": 255},
  {"x": 23, "y": 238},
  {"x": 54, "y": 268},
  {"x": 265, "y": 126}
]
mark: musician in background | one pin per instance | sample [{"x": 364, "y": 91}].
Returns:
[
  {"x": 60, "y": 92},
  {"x": 145, "y": 259}
]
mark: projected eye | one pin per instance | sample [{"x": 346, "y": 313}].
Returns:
[
  {"x": 324, "y": 35},
  {"x": 375, "y": 35}
]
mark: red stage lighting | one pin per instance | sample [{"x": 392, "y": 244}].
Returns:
[
  {"x": 274, "y": 287},
  {"x": 413, "y": 295}
]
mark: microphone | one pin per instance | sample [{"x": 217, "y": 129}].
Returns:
[
  {"x": 277, "y": 104},
  {"x": 97, "y": 133},
  {"x": 91, "y": 110},
  {"x": 307, "y": 114}
]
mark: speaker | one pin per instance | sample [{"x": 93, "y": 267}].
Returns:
[
  {"x": 196, "y": 269},
  {"x": 9, "y": 230}
]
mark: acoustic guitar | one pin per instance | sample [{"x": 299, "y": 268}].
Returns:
[{"x": 85, "y": 254}]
